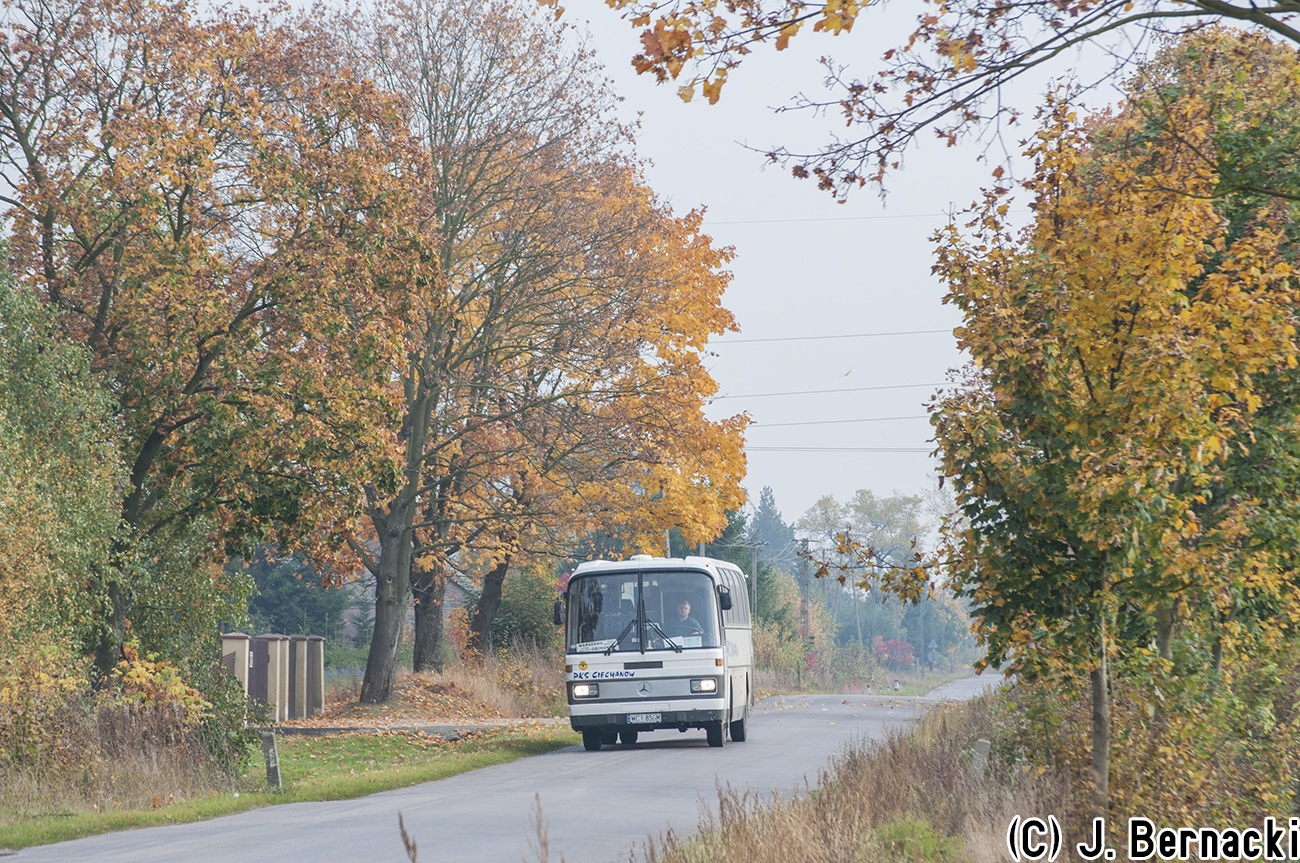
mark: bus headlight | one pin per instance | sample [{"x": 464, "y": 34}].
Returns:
[
  {"x": 704, "y": 684},
  {"x": 586, "y": 690}
]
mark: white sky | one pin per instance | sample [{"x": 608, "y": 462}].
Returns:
[{"x": 807, "y": 266}]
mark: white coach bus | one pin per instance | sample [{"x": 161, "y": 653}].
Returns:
[{"x": 656, "y": 643}]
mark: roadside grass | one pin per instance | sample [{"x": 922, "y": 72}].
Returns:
[
  {"x": 312, "y": 769},
  {"x": 910, "y": 798}
]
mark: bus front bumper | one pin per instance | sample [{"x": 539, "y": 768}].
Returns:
[{"x": 636, "y": 721}]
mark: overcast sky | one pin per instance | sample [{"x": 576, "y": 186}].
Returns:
[{"x": 809, "y": 267}]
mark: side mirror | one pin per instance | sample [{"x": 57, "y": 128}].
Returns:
[
  {"x": 557, "y": 612},
  {"x": 724, "y": 597}
]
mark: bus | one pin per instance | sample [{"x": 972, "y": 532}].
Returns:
[{"x": 657, "y": 643}]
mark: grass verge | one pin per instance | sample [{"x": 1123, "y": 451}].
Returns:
[
  {"x": 909, "y": 798},
  {"x": 313, "y": 769}
]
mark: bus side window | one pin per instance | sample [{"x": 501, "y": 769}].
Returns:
[
  {"x": 739, "y": 613},
  {"x": 728, "y": 614}
]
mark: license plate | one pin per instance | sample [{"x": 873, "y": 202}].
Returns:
[{"x": 643, "y": 718}]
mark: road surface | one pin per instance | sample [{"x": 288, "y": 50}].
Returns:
[{"x": 597, "y": 805}]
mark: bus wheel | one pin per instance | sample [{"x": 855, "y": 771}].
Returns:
[
  {"x": 740, "y": 730},
  {"x": 714, "y": 731},
  {"x": 592, "y": 738},
  {"x": 628, "y": 737}
]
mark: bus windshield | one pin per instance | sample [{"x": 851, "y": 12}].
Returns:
[{"x": 642, "y": 611}]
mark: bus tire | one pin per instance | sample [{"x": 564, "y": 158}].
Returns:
[
  {"x": 740, "y": 729},
  {"x": 714, "y": 730},
  {"x": 628, "y": 737},
  {"x": 592, "y": 738}
]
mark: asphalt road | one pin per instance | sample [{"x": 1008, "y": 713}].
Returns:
[{"x": 596, "y": 805}]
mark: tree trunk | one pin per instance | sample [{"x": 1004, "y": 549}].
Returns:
[
  {"x": 1165, "y": 631},
  {"x": 1101, "y": 732},
  {"x": 480, "y": 625},
  {"x": 112, "y": 634},
  {"x": 429, "y": 586},
  {"x": 390, "y": 604}
]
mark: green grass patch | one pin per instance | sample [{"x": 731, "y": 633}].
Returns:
[
  {"x": 312, "y": 769},
  {"x": 910, "y": 839}
]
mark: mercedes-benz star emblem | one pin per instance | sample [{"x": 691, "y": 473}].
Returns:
[{"x": 645, "y": 689}]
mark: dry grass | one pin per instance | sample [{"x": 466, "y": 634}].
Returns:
[
  {"x": 910, "y": 797},
  {"x": 127, "y": 760},
  {"x": 342, "y": 687},
  {"x": 140, "y": 743},
  {"x": 524, "y": 681}
]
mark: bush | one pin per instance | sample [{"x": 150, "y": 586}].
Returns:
[
  {"x": 895, "y": 654},
  {"x": 228, "y": 729},
  {"x": 344, "y": 657},
  {"x": 1220, "y": 749},
  {"x": 42, "y": 718},
  {"x": 154, "y": 732}
]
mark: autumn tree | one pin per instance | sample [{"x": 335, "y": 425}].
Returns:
[
  {"x": 944, "y": 78},
  {"x": 628, "y": 452},
  {"x": 1126, "y": 348},
  {"x": 219, "y": 218},
  {"x": 557, "y": 353}
]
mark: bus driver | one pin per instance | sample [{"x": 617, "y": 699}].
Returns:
[{"x": 684, "y": 624}]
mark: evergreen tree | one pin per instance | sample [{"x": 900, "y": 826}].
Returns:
[
  {"x": 290, "y": 600},
  {"x": 775, "y": 537}
]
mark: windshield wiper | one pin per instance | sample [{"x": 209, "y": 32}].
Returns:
[
  {"x": 675, "y": 646},
  {"x": 631, "y": 623}
]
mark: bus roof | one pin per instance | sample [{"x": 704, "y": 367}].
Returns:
[{"x": 647, "y": 562}]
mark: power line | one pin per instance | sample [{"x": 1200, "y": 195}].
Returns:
[
  {"x": 835, "y": 449},
  {"x": 838, "y": 422},
  {"x": 848, "y": 218},
  {"x": 818, "y": 338},
  {"x": 821, "y": 392},
  {"x": 828, "y": 219}
]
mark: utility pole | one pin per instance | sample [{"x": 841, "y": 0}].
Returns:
[
  {"x": 803, "y": 586},
  {"x": 753, "y": 579},
  {"x": 857, "y": 614}
]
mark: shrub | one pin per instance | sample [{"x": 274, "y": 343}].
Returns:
[
  {"x": 1220, "y": 750},
  {"x": 895, "y": 654},
  {"x": 228, "y": 729},
  {"x": 154, "y": 732},
  {"x": 41, "y": 717},
  {"x": 149, "y": 683}
]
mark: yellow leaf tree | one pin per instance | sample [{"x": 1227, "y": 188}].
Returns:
[{"x": 1123, "y": 348}]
